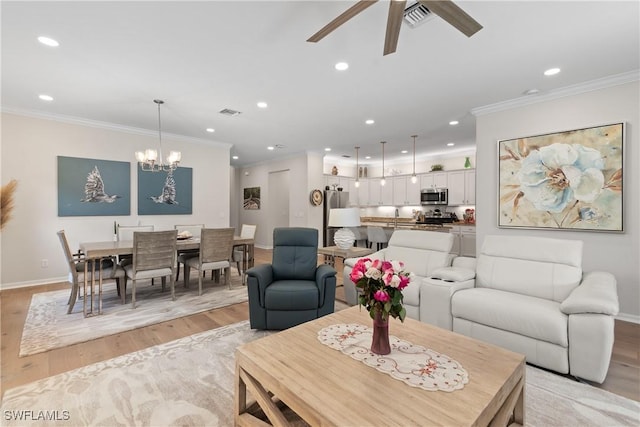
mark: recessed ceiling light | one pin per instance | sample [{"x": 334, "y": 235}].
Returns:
[
  {"x": 234, "y": 157},
  {"x": 367, "y": 157},
  {"x": 531, "y": 91},
  {"x": 404, "y": 151},
  {"x": 262, "y": 104},
  {"x": 450, "y": 144},
  {"x": 552, "y": 71},
  {"x": 211, "y": 130},
  {"x": 270, "y": 148},
  {"x": 46, "y": 97},
  {"x": 370, "y": 121},
  {"x": 341, "y": 66},
  {"x": 453, "y": 122},
  {"x": 48, "y": 41},
  {"x": 327, "y": 149}
]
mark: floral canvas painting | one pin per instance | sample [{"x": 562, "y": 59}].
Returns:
[{"x": 569, "y": 180}]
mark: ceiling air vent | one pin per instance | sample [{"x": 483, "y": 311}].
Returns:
[
  {"x": 417, "y": 14},
  {"x": 229, "y": 112}
]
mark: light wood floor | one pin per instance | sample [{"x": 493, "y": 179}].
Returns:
[{"x": 623, "y": 377}]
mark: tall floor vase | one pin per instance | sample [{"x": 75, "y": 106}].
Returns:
[{"x": 380, "y": 341}]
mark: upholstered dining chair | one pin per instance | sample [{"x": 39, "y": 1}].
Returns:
[
  {"x": 194, "y": 230},
  {"x": 293, "y": 289},
  {"x": 216, "y": 245},
  {"x": 248, "y": 231},
  {"x": 154, "y": 255},
  {"x": 76, "y": 263},
  {"x": 377, "y": 235}
]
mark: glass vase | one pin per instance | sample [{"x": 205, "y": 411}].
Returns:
[{"x": 380, "y": 341}]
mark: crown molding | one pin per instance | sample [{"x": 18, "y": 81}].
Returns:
[
  {"x": 110, "y": 126},
  {"x": 577, "y": 89}
]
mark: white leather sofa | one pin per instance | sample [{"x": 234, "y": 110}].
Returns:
[
  {"x": 421, "y": 251},
  {"x": 531, "y": 296}
]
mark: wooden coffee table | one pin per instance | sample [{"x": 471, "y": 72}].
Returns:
[{"x": 326, "y": 387}]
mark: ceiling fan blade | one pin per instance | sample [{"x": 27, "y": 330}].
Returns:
[
  {"x": 455, "y": 16},
  {"x": 344, "y": 17},
  {"x": 394, "y": 22}
]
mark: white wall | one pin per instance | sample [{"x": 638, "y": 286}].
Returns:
[
  {"x": 616, "y": 253},
  {"x": 300, "y": 186},
  {"x": 30, "y": 147}
]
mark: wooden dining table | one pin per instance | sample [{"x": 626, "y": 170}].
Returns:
[{"x": 96, "y": 251}]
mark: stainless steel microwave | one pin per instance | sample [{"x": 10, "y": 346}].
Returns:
[{"x": 434, "y": 196}]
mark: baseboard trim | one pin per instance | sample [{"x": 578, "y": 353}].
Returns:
[
  {"x": 17, "y": 285},
  {"x": 628, "y": 318}
]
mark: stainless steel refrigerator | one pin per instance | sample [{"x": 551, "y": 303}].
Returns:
[{"x": 332, "y": 199}]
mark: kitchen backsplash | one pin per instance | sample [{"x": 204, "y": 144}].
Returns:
[{"x": 408, "y": 211}]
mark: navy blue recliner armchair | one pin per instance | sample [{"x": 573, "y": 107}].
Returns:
[{"x": 293, "y": 289}]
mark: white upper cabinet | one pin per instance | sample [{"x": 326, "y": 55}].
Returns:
[
  {"x": 405, "y": 192},
  {"x": 434, "y": 180},
  {"x": 380, "y": 195},
  {"x": 462, "y": 187}
]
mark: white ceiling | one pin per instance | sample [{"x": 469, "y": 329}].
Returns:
[{"x": 114, "y": 58}]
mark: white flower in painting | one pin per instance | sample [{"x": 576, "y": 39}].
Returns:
[{"x": 556, "y": 174}]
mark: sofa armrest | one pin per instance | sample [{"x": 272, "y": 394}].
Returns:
[
  {"x": 258, "y": 278},
  {"x": 453, "y": 274},
  {"x": 596, "y": 294},
  {"x": 464, "y": 262},
  {"x": 325, "y": 276}
]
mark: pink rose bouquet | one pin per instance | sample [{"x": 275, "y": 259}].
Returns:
[{"x": 381, "y": 284}]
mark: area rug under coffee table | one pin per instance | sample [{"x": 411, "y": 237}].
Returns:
[
  {"x": 190, "y": 381},
  {"x": 48, "y": 325}
]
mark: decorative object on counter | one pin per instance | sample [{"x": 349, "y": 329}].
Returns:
[
  {"x": 469, "y": 216},
  {"x": 414, "y": 178},
  {"x": 6, "y": 201},
  {"x": 383, "y": 181},
  {"x": 570, "y": 180},
  {"x": 381, "y": 284},
  {"x": 467, "y": 163},
  {"x": 358, "y": 169},
  {"x": 149, "y": 159},
  {"x": 344, "y": 217},
  {"x": 437, "y": 167},
  {"x": 334, "y": 170},
  {"x": 317, "y": 197}
]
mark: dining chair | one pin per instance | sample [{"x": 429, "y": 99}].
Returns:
[
  {"x": 76, "y": 263},
  {"x": 194, "y": 230},
  {"x": 247, "y": 231},
  {"x": 216, "y": 245},
  {"x": 154, "y": 255}
]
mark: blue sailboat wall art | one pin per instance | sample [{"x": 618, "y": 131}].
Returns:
[
  {"x": 92, "y": 187},
  {"x": 165, "y": 193}
]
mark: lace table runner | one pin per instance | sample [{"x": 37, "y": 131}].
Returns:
[{"x": 415, "y": 365}]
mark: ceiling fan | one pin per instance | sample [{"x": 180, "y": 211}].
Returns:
[{"x": 446, "y": 9}]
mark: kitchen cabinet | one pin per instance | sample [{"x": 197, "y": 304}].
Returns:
[
  {"x": 462, "y": 187},
  {"x": 405, "y": 192},
  {"x": 464, "y": 240},
  {"x": 380, "y": 195},
  {"x": 363, "y": 192},
  {"x": 353, "y": 192},
  {"x": 434, "y": 180},
  {"x": 338, "y": 181}
]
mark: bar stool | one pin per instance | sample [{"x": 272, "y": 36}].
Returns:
[{"x": 377, "y": 235}]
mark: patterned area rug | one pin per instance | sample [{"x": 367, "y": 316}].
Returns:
[
  {"x": 48, "y": 325},
  {"x": 190, "y": 381}
]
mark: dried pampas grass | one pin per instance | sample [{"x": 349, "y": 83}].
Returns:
[{"x": 6, "y": 201}]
